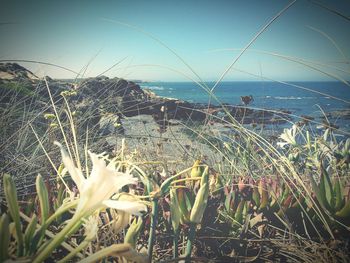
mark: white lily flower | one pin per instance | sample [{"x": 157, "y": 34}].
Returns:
[
  {"x": 288, "y": 136},
  {"x": 96, "y": 190}
]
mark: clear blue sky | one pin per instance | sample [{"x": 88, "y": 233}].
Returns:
[{"x": 75, "y": 33}]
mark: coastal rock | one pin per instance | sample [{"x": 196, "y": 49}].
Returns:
[
  {"x": 339, "y": 114},
  {"x": 247, "y": 115},
  {"x": 16, "y": 82},
  {"x": 15, "y": 72},
  {"x": 110, "y": 124},
  {"x": 97, "y": 96}
]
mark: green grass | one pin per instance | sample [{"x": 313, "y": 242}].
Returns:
[{"x": 265, "y": 202}]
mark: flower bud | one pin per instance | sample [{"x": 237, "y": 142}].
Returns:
[{"x": 197, "y": 169}]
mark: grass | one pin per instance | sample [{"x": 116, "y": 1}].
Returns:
[
  {"x": 259, "y": 201},
  {"x": 293, "y": 224}
]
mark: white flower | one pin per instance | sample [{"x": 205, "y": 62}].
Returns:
[
  {"x": 121, "y": 218},
  {"x": 96, "y": 190},
  {"x": 288, "y": 136}
]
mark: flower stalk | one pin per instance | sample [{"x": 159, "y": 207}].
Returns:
[
  {"x": 190, "y": 240},
  {"x": 152, "y": 230}
]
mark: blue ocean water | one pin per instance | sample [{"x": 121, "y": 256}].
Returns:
[{"x": 328, "y": 96}]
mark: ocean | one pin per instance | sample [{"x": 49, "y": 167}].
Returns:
[{"x": 301, "y": 98}]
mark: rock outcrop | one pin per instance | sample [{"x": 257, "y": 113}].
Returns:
[
  {"x": 15, "y": 72},
  {"x": 93, "y": 98}
]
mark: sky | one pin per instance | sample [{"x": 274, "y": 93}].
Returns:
[{"x": 164, "y": 40}]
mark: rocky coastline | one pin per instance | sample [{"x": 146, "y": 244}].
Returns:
[
  {"x": 102, "y": 95},
  {"x": 106, "y": 110}
]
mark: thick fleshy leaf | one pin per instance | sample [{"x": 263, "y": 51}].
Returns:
[
  {"x": 339, "y": 200},
  {"x": 328, "y": 188},
  {"x": 239, "y": 212},
  {"x": 43, "y": 198},
  {"x": 174, "y": 210},
  {"x": 201, "y": 200},
  {"x": 134, "y": 232},
  {"x": 29, "y": 233},
  {"x": 5, "y": 237},
  {"x": 263, "y": 194},
  {"x": 184, "y": 204},
  {"x": 12, "y": 204},
  {"x": 344, "y": 212}
]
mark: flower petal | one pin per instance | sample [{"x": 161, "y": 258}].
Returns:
[
  {"x": 74, "y": 172},
  {"x": 105, "y": 181},
  {"x": 130, "y": 207}
]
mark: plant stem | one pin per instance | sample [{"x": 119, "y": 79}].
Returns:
[
  {"x": 58, "y": 239},
  {"x": 176, "y": 243},
  {"x": 152, "y": 230},
  {"x": 190, "y": 239}
]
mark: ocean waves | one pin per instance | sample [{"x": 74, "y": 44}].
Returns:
[
  {"x": 287, "y": 97},
  {"x": 159, "y": 88}
]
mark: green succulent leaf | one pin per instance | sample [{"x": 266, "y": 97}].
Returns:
[
  {"x": 239, "y": 212},
  {"x": 134, "y": 232},
  {"x": 12, "y": 203},
  {"x": 256, "y": 197},
  {"x": 319, "y": 191},
  {"x": 43, "y": 198},
  {"x": 345, "y": 211},
  {"x": 328, "y": 188},
  {"x": 175, "y": 212},
  {"x": 4, "y": 237},
  {"x": 184, "y": 205},
  {"x": 201, "y": 200},
  {"x": 339, "y": 200},
  {"x": 29, "y": 233}
]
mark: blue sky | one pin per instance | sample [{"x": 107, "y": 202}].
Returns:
[{"x": 206, "y": 34}]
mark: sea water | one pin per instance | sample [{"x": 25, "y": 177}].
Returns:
[{"x": 301, "y": 98}]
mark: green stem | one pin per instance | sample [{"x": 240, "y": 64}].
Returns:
[
  {"x": 190, "y": 239},
  {"x": 176, "y": 244},
  {"x": 58, "y": 239},
  {"x": 72, "y": 254},
  {"x": 152, "y": 230}
]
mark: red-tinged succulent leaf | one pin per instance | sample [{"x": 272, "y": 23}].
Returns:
[
  {"x": 299, "y": 202},
  {"x": 264, "y": 194},
  {"x": 288, "y": 201},
  {"x": 241, "y": 185}
]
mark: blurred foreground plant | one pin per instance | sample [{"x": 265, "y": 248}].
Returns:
[{"x": 31, "y": 244}]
